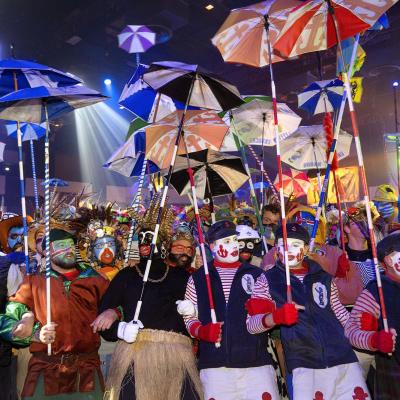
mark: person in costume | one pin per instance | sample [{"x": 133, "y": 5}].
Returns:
[
  {"x": 271, "y": 215},
  {"x": 36, "y": 234},
  {"x": 386, "y": 201},
  {"x": 241, "y": 368},
  {"x": 365, "y": 328},
  {"x": 153, "y": 358},
  {"x": 317, "y": 354},
  {"x": 248, "y": 238},
  {"x": 182, "y": 249},
  {"x": 73, "y": 368}
]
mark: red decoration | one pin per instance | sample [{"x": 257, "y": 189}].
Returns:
[
  {"x": 266, "y": 396},
  {"x": 328, "y": 127},
  {"x": 318, "y": 395},
  {"x": 359, "y": 394}
]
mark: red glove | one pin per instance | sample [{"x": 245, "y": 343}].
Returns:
[
  {"x": 343, "y": 266},
  {"x": 286, "y": 315},
  {"x": 383, "y": 341},
  {"x": 259, "y": 306},
  {"x": 368, "y": 322},
  {"x": 207, "y": 333}
]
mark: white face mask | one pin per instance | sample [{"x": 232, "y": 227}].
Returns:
[
  {"x": 395, "y": 261},
  {"x": 226, "y": 250},
  {"x": 295, "y": 251}
]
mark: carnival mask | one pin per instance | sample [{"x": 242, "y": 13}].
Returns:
[
  {"x": 104, "y": 249},
  {"x": 145, "y": 239},
  {"x": 246, "y": 249},
  {"x": 296, "y": 251},
  {"x": 62, "y": 253},
  {"x": 226, "y": 250},
  {"x": 181, "y": 253},
  {"x": 15, "y": 237},
  {"x": 394, "y": 262}
]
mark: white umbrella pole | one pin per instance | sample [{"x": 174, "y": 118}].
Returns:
[{"x": 35, "y": 188}]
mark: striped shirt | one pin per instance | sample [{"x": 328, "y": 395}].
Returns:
[
  {"x": 367, "y": 271},
  {"x": 226, "y": 275},
  {"x": 261, "y": 290},
  {"x": 357, "y": 337}
]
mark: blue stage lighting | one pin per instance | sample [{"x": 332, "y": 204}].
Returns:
[
  {"x": 107, "y": 82},
  {"x": 395, "y": 83}
]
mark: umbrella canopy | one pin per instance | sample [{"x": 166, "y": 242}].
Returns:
[
  {"x": 56, "y": 182},
  {"x": 175, "y": 80},
  {"x": 307, "y": 147},
  {"x": 202, "y": 129},
  {"x": 321, "y": 96},
  {"x": 254, "y": 121},
  {"x": 28, "y": 105},
  {"x": 311, "y": 26},
  {"x": 29, "y": 131},
  {"x": 136, "y": 38},
  {"x": 2, "y": 147},
  {"x": 243, "y": 36},
  {"x": 139, "y": 98},
  {"x": 295, "y": 183},
  {"x": 128, "y": 159},
  {"x": 215, "y": 174},
  {"x": 22, "y": 74}
]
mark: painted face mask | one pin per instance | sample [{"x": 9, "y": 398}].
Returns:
[
  {"x": 246, "y": 248},
  {"x": 226, "y": 250},
  {"x": 395, "y": 261},
  {"x": 296, "y": 251},
  {"x": 104, "y": 249},
  {"x": 145, "y": 238},
  {"x": 15, "y": 237},
  {"x": 181, "y": 253},
  {"x": 63, "y": 253}
]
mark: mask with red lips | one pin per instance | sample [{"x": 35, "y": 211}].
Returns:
[
  {"x": 226, "y": 250},
  {"x": 394, "y": 263},
  {"x": 296, "y": 251}
]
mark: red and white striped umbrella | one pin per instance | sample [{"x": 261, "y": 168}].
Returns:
[
  {"x": 295, "y": 183},
  {"x": 136, "y": 39}
]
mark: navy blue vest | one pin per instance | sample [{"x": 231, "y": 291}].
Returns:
[
  {"x": 391, "y": 293},
  {"x": 317, "y": 340},
  {"x": 239, "y": 349}
]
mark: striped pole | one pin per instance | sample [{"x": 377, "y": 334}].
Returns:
[
  {"x": 262, "y": 161},
  {"x": 279, "y": 164},
  {"x": 22, "y": 186},
  {"x": 162, "y": 204},
  {"x": 35, "y": 188},
  {"x": 47, "y": 221}
]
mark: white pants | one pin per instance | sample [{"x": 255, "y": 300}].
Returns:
[
  {"x": 258, "y": 383},
  {"x": 343, "y": 382}
]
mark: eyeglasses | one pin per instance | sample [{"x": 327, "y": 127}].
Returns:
[{"x": 179, "y": 249}]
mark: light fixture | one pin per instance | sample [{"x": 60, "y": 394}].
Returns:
[
  {"x": 395, "y": 83},
  {"x": 209, "y": 7},
  {"x": 7, "y": 169},
  {"x": 107, "y": 81}
]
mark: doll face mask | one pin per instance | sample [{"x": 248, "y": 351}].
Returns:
[
  {"x": 296, "y": 251},
  {"x": 104, "y": 249},
  {"x": 226, "y": 250}
]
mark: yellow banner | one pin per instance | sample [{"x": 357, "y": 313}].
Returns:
[{"x": 356, "y": 89}]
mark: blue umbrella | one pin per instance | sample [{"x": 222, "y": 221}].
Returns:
[
  {"x": 321, "y": 96},
  {"x": 54, "y": 182},
  {"x": 29, "y": 132},
  {"x": 139, "y": 98}
]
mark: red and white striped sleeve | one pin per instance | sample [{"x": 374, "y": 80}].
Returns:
[
  {"x": 337, "y": 307},
  {"x": 357, "y": 337},
  {"x": 255, "y": 323},
  {"x": 191, "y": 295}
]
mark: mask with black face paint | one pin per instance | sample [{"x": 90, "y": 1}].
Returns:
[
  {"x": 15, "y": 237},
  {"x": 145, "y": 238},
  {"x": 246, "y": 249}
]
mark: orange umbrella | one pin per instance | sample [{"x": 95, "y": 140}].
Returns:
[
  {"x": 295, "y": 183},
  {"x": 203, "y": 129},
  {"x": 243, "y": 36}
]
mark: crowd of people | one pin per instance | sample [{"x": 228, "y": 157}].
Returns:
[{"x": 231, "y": 331}]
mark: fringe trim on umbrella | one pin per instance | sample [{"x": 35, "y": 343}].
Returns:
[{"x": 159, "y": 360}]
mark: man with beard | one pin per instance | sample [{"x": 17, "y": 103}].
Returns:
[
  {"x": 182, "y": 250},
  {"x": 153, "y": 358},
  {"x": 73, "y": 368}
]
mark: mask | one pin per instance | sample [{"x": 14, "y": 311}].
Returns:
[
  {"x": 246, "y": 248},
  {"x": 296, "y": 251},
  {"x": 386, "y": 210},
  {"x": 62, "y": 253},
  {"x": 180, "y": 254},
  {"x": 395, "y": 261},
  {"x": 226, "y": 250},
  {"x": 145, "y": 238},
  {"x": 104, "y": 249},
  {"x": 15, "y": 237}
]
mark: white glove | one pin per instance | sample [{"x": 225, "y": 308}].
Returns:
[
  {"x": 186, "y": 308},
  {"x": 128, "y": 331}
]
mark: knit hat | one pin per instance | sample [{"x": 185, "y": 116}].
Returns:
[
  {"x": 388, "y": 245},
  {"x": 294, "y": 231}
]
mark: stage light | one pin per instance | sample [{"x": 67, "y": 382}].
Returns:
[
  {"x": 107, "y": 82},
  {"x": 121, "y": 107},
  {"x": 395, "y": 83},
  {"x": 209, "y": 7},
  {"x": 7, "y": 169}
]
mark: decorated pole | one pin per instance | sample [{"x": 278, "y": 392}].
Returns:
[{"x": 35, "y": 188}]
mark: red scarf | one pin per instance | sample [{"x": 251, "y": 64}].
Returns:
[{"x": 220, "y": 264}]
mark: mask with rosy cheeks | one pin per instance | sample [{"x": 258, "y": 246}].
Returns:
[
  {"x": 105, "y": 249},
  {"x": 296, "y": 251},
  {"x": 226, "y": 250},
  {"x": 395, "y": 262}
]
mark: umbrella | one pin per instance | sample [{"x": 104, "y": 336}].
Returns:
[
  {"x": 177, "y": 80},
  {"x": 2, "y": 147},
  {"x": 295, "y": 183},
  {"x": 136, "y": 39},
  {"x": 203, "y": 129},
  {"x": 39, "y": 105},
  {"x": 321, "y": 96},
  {"x": 56, "y": 182},
  {"x": 190, "y": 84},
  {"x": 215, "y": 174},
  {"x": 139, "y": 98},
  {"x": 29, "y": 132},
  {"x": 307, "y": 147}
]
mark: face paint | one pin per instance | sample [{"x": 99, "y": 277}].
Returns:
[
  {"x": 104, "y": 249},
  {"x": 226, "y": 250},
  {"x": 62, "y": 253},
  {"x": 15, "y": 237},
  {"x": 246, "y": 248},
  {"x": 181, "y": 253},
  {"x": 145, "y": 238},
  {"x": 394, "y": 257},
  {"x": 295, "y": 251}
]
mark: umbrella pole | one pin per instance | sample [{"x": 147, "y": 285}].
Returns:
[
  {"x": 264, "y": 118},
  {"x": 361, "y": 167},
  {"x": 316, "y": 165},
  {"x": 253, "y": 197},
  {"x": 22, "y": 186},
  {"x": 47, "y": 221},
  {"x": 35, "y": 188},
  {"x": 211, "y": 199},
  {"x": 279, "y": 163}
]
